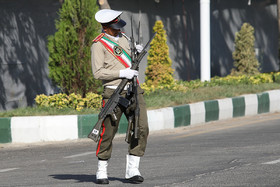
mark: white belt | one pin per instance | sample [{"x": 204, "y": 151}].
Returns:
[{"x": 115, "y": 87}]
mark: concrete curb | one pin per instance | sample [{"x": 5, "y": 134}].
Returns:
[{"x": 60, "y": 128}]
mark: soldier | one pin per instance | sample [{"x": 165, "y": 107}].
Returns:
[{"x": 110, "y": 63}]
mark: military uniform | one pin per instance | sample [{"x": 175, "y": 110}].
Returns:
[
  {"x": 106, "y": 68},
  {"x": 110, "y": 67}
]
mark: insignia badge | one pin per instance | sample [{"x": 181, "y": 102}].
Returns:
[{"x": 118, "y": 50}]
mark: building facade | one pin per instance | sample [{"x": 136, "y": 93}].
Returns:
[{"x": 26, "y": 24}]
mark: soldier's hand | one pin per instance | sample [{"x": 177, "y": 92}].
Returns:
[
  {"x": 139, "y": 48},
  {"x": 128, "y": 73}
]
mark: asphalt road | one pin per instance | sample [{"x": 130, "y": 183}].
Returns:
[{"x": 238, "y": 152}]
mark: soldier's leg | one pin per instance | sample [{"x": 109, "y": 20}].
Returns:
[
  {"x": 137, "y": 147},
  {"x": 104, "y": 146},
  {"x": 108, "y": 131}
]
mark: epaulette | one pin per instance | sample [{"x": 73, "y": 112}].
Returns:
[{"x": 98, "y": 37}]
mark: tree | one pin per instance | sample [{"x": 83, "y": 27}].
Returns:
[
  {"x": 278, "y": 20},
  {"x": 244, "y": 56},
  {"x": 159, "y": 71},
  {"x": 69, "y": 47}
]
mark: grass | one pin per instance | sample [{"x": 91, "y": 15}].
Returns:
[
  {"x": 44, "y": 111},
  {"x": 159, "y": 99}
]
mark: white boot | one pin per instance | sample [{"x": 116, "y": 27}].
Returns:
[
  {"x": 132, "y": 169},
  {"x": 101, "y": 174}
]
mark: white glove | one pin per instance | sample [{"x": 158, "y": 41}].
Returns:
[
  {"x": 139, "y": 48},
  {"x": 128, "y": 73}
]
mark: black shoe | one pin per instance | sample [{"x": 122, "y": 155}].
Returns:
[
  {"x": 102, "y": 181},
  {"x": 137, "y": 179}
]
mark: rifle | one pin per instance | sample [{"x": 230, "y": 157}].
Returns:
[
  {"x": 133, "y": 114},
  {"x": 133, "y": 117},
  {"x": 116, "y": 99}
]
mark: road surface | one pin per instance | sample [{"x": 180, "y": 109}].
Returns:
[{"x": 238, "y": 152}]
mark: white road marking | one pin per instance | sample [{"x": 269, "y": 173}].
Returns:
[
  {"x": 77, "y": 162},
  {"x": 78, "y": 155},
  {"x": 8, "y": 169},
  {"x": 272, "y": 162}
]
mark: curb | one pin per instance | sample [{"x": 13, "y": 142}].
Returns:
[{"x": 70, "y": 127}]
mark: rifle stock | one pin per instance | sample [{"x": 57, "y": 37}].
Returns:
[{"x": 94, "y": 134}]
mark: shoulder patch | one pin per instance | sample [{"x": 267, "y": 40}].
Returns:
[{"x": 98, "y": 37}]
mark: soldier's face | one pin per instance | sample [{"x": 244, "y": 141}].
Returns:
[{"x": 111, "y": 31}]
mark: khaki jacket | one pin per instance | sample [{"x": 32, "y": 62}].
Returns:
[{"x": 104, "y": 65}]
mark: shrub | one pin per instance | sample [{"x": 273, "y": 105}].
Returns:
[
  {"x": 69, "y": 47},
  {"x": 184, "y": 86},
  {"x": 159, "y": 71},
  {"x": 276, "y": 77},
  {"x": 93, "y": 100},
  {"x": 74, "y": 101},
  {"x": 245, "y": 61}
]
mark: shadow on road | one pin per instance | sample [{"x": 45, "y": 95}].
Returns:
[{"x": 84, "y": 178}]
